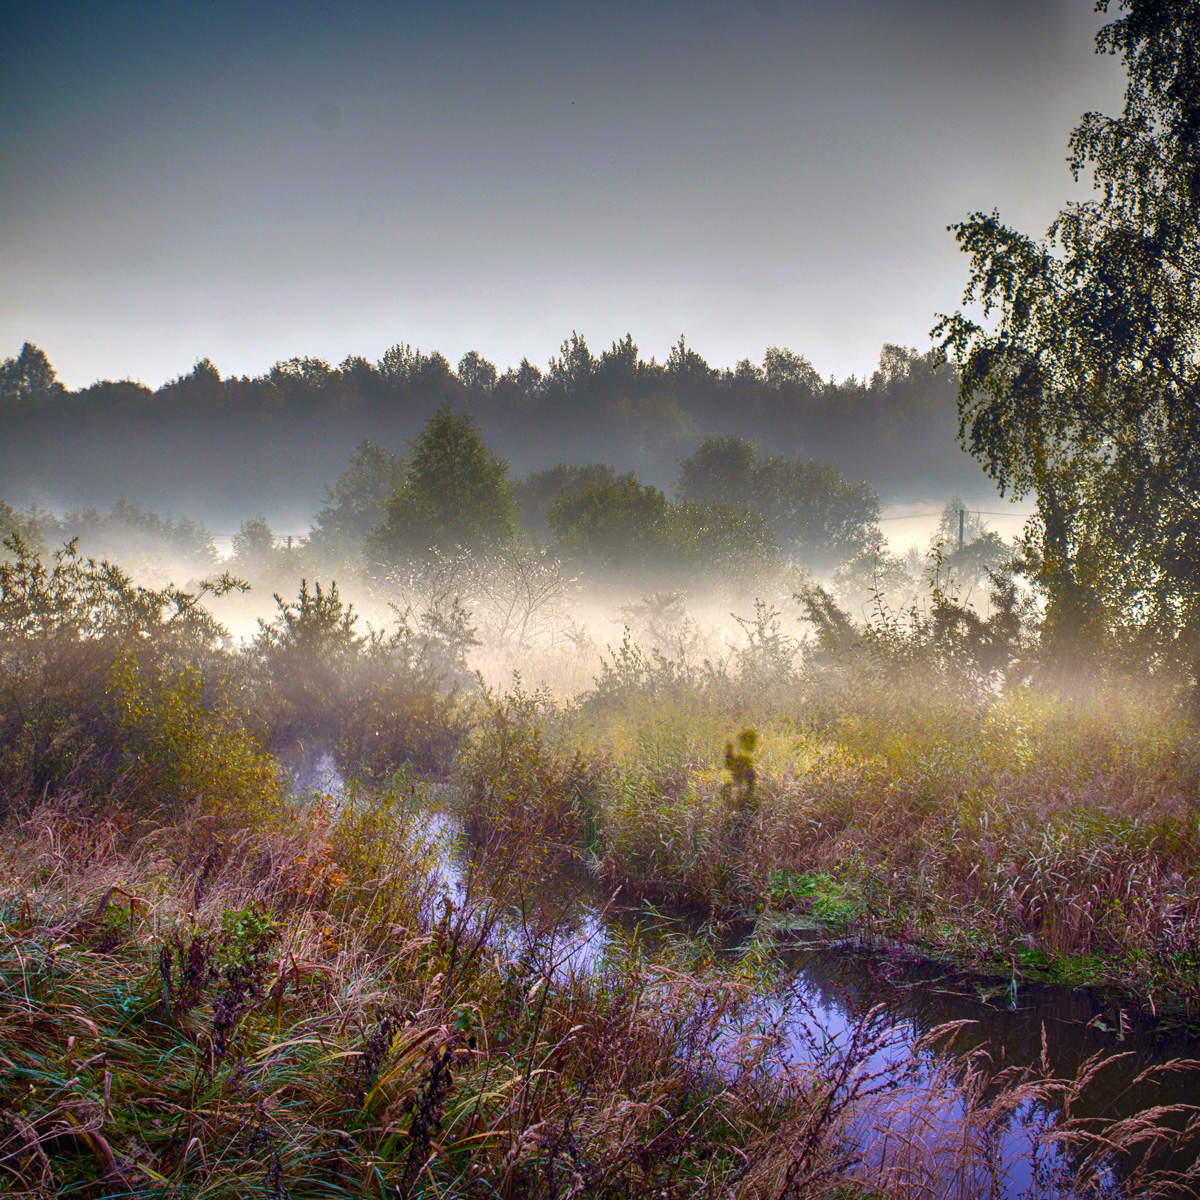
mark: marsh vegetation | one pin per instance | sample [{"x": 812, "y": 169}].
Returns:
[{"x": 663, "y": 829}]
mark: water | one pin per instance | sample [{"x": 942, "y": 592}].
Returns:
[{"x": 827, "y": 992}]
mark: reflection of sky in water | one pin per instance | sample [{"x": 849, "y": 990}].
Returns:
[
  {"x": 910, "y": 1098},
  {"x": 826, "y": 996},
  {"x": 563, "y": 928}
]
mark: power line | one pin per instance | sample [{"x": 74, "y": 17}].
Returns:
[{"x": 970, "y": 512}]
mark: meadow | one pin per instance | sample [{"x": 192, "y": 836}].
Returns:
[{"x": 218, "y": 985}]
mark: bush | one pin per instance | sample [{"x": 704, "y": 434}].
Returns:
[
  {"x": 519, "y": 791},
  {"x": 380, "y": 699},
  {"x": 109, "y": 689}
]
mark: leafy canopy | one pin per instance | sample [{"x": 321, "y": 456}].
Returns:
[
  {"x": 809, "y": 508},
  {"x": 1081, "y": 381},
  {"x": 455, "y": 494}
]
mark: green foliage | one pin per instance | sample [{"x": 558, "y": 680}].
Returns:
[
  {"x": 303, "y": 659},
  {"x": 26, "y": 526},
  {"x": 1081, "y": 385},
  {"x": 455, "y": 494},
  {"x": 619, "y": 524},
  {"x": 629, "y": 672},
  {"x": 183, "y": 744},
  {"x": 148, "y": 546},
  {"x": 354, "y": 506},
  {"x": 719, "y": 471},
  {"x": 540, "y": 490},
  {"x": 945, "y": 644},
  {"x": 818, "y": 893},
  {"x": 246, "y": 932},
  {"x": 106, "y": 686},
  {"x": 614, "y": 523},
  {"x": 27, "y": 382},
  {"x": 382, "y": 698},
  {"x": 521, "y": 792},
  {"x": 806, "y": 507}
]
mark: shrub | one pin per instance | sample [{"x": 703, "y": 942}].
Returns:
[
  {"x": 381, "y": 699},
  {"x": 519, "y": 791},
  {"x": 109, "y": 689}
]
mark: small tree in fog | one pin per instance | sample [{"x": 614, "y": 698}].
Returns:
[
  {"x": 962, "y": 569},
  {"x": 539, "y": 490},
  {"x": 253, "y": 544},
  {"x": 616, "y": 523},
  {"x": 354, "y": 506},
  {"x": 27, "y": 526},
  {"x": 517, "y": 590},
  {"x": 720, "y": 471},
  {"x": 455, "y": 493},
  {"x": 811, "y": 510},
  {"x": 304, "y": 655}
]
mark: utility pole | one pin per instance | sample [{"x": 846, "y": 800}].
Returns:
[{"x": 962, "y": 520}]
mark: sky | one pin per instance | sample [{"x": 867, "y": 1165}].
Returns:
[{"x": 247, "y": 181}]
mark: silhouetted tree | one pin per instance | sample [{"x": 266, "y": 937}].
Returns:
[
  {"x": 785, "y": 369},
  {"x": 476, "y": 373},
  {"x": 455, "y": 493},
  {"x": 27, "y": 381},
  {"x": 253, "y": 545},
  {"x": 355, "y": 504}
]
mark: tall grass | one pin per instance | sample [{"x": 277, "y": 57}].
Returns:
[
  {"x": 301, "y": 1013},
  {"x": 1032, "y": 828},
  {"x": 211, "y": 988}
]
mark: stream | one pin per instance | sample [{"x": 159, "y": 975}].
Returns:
[{"x": 828, "y": 988}]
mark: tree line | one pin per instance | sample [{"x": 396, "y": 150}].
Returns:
[
  {"x": 732, "y": 508},
  {"x": 895, "y": 428}
]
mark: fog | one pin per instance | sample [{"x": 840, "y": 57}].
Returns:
[
  {"x": 659, "y": 499},
  {"x": 532, "y": 609}
]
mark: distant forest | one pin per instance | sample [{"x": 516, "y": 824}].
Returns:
[{"x": 220, "y": 447}]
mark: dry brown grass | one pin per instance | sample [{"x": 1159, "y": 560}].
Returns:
[{"x": 296, "y": 1012}]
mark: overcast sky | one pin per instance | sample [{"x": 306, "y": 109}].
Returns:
[{"x": 252, "y": 181}]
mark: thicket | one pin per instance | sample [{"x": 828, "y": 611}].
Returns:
[{"x": 114, "y": 693}]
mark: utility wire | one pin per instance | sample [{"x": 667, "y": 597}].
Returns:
[{"x": 971, "y": 512}]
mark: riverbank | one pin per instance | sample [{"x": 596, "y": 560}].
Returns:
[
  {"x": 211, "y": 986},
  {"x": 1037, "y": 833},
  {"x": 297, "y": 1005}
]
